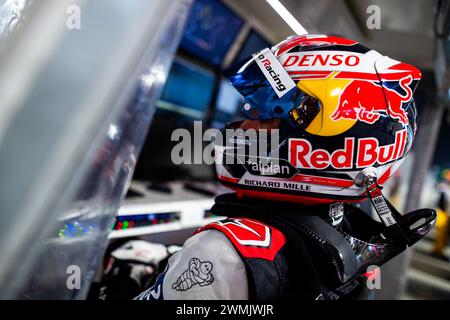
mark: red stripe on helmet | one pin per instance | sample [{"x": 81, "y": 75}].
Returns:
[
  {"x": 311, "y": 41},
  {"x": 395, "y": 76},
  {"x": 385, "y": 176},
  {"x": 229, "y": 179},
  {"x": 335, "y": 182},
  {"x": 305, "y": 200}
]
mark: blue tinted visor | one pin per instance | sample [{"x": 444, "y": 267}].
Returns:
[{"x": 269, "y": 92}]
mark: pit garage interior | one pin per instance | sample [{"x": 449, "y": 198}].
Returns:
[{"x": 87, "y": 117}]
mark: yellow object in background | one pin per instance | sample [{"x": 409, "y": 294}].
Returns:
[{"x": 441, "y": 228}]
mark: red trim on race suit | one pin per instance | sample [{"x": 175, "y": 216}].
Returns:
[
  {"x": 229, "y": 179},
  {"x": 253, "y": 239}
]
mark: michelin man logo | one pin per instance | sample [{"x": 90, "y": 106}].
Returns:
[
  {"x": 198, "y": 273},
  {"x": 336, "y": 213}
]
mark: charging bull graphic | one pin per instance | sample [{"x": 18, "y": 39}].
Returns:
[
  {"x": 365, "y": 100},
  {"x": 198, "y": 272}
]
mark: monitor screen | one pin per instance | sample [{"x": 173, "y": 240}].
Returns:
[
  {"x": 210, "y": 31},
  {"x": 188, "y": 91},
  {"x": 186, "y": 98},
  {"x": 253, "y": 44},
  {"x": 229, "y": 102}
]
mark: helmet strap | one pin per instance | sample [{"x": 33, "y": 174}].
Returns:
[{"x": 398, "y": 228}]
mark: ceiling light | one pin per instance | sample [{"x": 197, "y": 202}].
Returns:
[{"x": 287, "y": 17}]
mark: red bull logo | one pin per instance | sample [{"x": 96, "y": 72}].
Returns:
[
  {"x": 357, "y": 153},
  {"x": 366, "y": 101}
]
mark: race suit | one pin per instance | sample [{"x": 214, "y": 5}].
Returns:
[{"x": 246, "y": 257}]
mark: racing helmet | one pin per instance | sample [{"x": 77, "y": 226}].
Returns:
[{"x": 342, "y": 108}]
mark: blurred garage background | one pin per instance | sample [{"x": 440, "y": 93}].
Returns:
[{"x": 88, "y": 110}]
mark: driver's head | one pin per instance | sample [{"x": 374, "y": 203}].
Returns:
[{"x": 340, "y": 108}]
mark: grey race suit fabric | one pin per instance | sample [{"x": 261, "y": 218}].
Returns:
[{"x": 207, "y": 268}]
